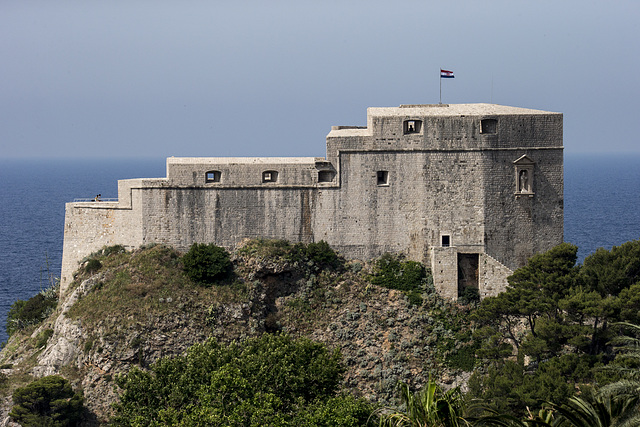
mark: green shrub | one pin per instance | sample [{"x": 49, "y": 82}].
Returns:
[
  {"x": 115, "y": 249},
  {"x": 105, "y": 251},
  {"x": 320, "y": 253},
  {"x": 92, "y": 266},
  {"x": 464, "y": 358},
  {"x": 30, "y": 312},
  {"x": 206, "y": 263},
  {"x": 43, "y": 337},
  {"x": 48, "y": 401},
  {"x": 394, "y": 273},
  {"x": 415, "y": 298},
  {"x": 469, "y": 296}
]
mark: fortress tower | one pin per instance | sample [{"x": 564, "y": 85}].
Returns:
[{"x": 471, "y": 190}]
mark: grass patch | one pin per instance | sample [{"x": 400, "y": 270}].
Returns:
[
  {"x": 42, "y": 338},
  {"x": 143, "y": 283}
]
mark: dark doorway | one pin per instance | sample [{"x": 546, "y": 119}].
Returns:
[{"x": 467, "y": 274}]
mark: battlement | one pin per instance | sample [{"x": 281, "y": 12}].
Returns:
[{"x": 471, "y": 190}]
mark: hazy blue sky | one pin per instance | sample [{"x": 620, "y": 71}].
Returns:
[{"x": 270, "y": 78}]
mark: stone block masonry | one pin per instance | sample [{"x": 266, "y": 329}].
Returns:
[{"x": 471, "y": 190}]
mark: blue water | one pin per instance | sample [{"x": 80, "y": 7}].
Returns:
[
  {"x": 602, "y": 209},
  {"x": 32, "y": 199}
]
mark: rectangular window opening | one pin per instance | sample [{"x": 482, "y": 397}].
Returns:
[
  {"x": 488, "y": 126},
  {"x": 326, "y": 176},
  {"x": 446, "y": 240},
  {"x": 269, "y": 176},
  {"x": 383, "y": 178},
  {"x": 412, "y": 126}
]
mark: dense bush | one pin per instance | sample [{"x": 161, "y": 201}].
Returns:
[
  {"x": 320, "y": 253},
  {"x": 469, "y": 296},
  {"x": 206, "y": 263},
  {"x": 393, "y": 272},
  {"x": 92, "y": 265},
  {"x": 48, "y": 401},
  {"x": 115, "y": 249},
  {"x": 271, "y": 380},
  {"x": 32, "y": 311}
]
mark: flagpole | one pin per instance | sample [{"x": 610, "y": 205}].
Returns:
[{"x": 440, "y": 77}]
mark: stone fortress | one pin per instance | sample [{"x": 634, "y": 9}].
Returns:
[{"x": 470, "y": 190}]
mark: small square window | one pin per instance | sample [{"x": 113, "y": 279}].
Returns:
[
  {"x": 269, "y": 176},
  {"x": 488, "y": 126},
  {"x": 213, "y": 176},
  {"x": 383, "y": 178},
  {"x": 446, "y": 240}
]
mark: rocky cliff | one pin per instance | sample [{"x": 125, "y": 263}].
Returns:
[{"x": 134, "y": 308}]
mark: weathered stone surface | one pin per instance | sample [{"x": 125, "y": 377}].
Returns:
[{"x": 430, "y": 181}]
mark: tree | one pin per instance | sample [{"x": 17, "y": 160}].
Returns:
[
  {"x": 533, "y": 299},
  {"x": 48, "y": 401},
  {"x": 543, "y": 418},
  {"x": 609, "y": 272},
  {"x": 533, "y": 291},
  {"x": 430, "y": 407},
  {"x": 541, "y": 283},
  {"x": 271, "y": 380},
  {"x": 567, "y": 311}
]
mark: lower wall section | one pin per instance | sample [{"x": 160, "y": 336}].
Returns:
[
  {"x": 493, "y": 276},
  {"x": 91, "y": 226},
  {"x": 450, "y": 277}
]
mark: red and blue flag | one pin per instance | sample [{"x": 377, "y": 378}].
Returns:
[{"x": 446, "y": 74}]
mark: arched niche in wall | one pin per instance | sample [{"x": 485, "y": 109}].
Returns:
[{"x": 524, "y": 176}]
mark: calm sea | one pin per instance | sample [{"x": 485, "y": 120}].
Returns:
[{"x": 602, "y": 209}]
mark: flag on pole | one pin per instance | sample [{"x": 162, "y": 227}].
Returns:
[{"x": 446, "y": 74}]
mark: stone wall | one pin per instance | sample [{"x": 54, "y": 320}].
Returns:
[
  {"x": 182, "y": 216},
  {"x": 431, "y": 182}
]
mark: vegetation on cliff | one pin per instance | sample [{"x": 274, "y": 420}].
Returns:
[
  {"x": 549, "y": 336},
  {"x": 542, "y": 350},
  {"x": 48, "y": 401},
  {"x": 268, "y": 380},
  {"x": 33, "y": 311}
]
